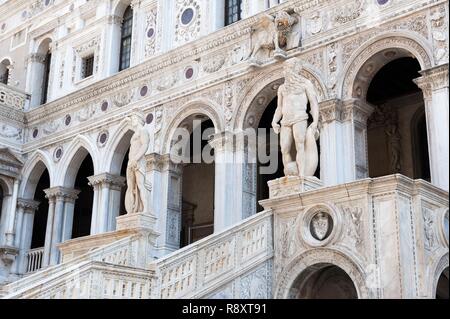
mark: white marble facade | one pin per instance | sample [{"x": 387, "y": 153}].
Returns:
[{"x": 375, "y": 224}]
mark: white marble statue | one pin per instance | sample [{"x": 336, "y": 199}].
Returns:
[
  {"x": 293, "y": 98},
  {"x": 137, "y": 186}
]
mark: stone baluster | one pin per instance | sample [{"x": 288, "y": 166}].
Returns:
[{"x": 434, "y": 85}]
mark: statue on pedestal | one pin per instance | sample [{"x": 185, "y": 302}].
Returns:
[
  {"x": 137, "y": 186},
  {"x": 293, "y": 98}
]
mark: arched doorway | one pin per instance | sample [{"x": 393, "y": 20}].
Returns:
[
  {"x": 41, "y": 214},
  {"x": 198, "y": 181},
  {"x": 397, "y": 135},
  {"x": 323, "y": 281},
  {"x": 4, "y": 71},
  {"x": 442, "y": 289},
  {"x": 82, "y": 217},
  {"x": 39, "y": 76}
]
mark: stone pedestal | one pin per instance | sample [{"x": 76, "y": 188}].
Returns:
[
  {"x": 138, "y": 221},
  {"x": 292, "y": 185}
]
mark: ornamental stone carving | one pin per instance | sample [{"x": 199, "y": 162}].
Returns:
[{"x": 270, "y": 34}]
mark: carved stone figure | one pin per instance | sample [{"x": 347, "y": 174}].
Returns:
[
  {"x": 293, "y": 98},
  {"x": 271, "y": 34},
  {"x": 137, "y": 186}
]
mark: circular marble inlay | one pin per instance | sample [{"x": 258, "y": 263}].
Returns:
[
  {"x": 187, "y": 16},
  {"x": 104, "y": 106},
  {"x": 67, "y": 120},
  {"x": 150, "y": 32},
  {"x": 189, "y": 73},
  {"x": 35, "y": 133},
  {"x": 24, "y": 14},
  {"x": 3, "y": 26},
  {"x": 103, "y": 138},
  {"x": 381, "y": 2},
  {"x": 149, "y": 118},
  {"x": 144, "y": 90},
  {"x": 47, "y": 2},
  {"x": 321, "y": 225},
  {"x": 58, "y": 154}
]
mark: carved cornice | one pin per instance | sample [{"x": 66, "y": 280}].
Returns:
[
  {"x": 432, "y": 80},
  {"x": 61, "y": 193},
  {"x": 113, "y": 181}
]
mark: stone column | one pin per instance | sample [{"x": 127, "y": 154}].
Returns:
[
  {"x": 245, "y": 172},
  {"x": 27, "y": 208},
  {"x": 10, "y": 230},
  {"x": 35, "y": 75},
  {"x": 225, "y": 168},
  {"x": 111, "y": 47},
  {"x": 355, "y": 163},
  {"x": 57, "y": 222},
  {"x": 165, "y": 200},
  {"x": 104, "y": 211},
  {"x": 332, "y": 159},
  {"x": 69, "y": 206},
  {"x": 434, "y": 84}
]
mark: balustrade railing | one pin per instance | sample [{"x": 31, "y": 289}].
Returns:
[
  {"x": 12, "y": 97},
  {"x": 189, "y": 272},
  {"x": 34, "y": 259}
]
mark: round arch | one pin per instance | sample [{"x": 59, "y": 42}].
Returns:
[
  {"x": 317, "y": 256},
  {"x": 201, "y": 107},
  {"x": 119, "y": 7},
  {"x": 73, "y": 158},
  {"x": 264, "y": 88},
  {"x": 436, "y": 271},
  {"x": 43, "y": 45},
  {"x": 362, "y": 66},
  {"x": 31, "y": 173},
  {"x": 121, "y": 143}
]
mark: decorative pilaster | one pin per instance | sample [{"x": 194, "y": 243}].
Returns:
[
  {"x": 332, "y": 170},
  {"x": 107, "y": 189},
  {"x": 165, "y": 200},
  {"x": 435, "y": 88},
  {"x": 354, "y": 141}
]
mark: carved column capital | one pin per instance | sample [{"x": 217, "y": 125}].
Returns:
[
  {"x": 356, "y": 110},
  {"x": 36, "y": 57},
  {"x": 224, "y": 141},
  {"x": 330, "y": 110},
  {"x": 112, "y": 181},
  {"x": 28, "y": 206},
  {"x": 61, "y": 193},
  {"x": 113, "y": 19},
  {"x": 433, "y": 79},
  {"x": 156, "y": 162}
]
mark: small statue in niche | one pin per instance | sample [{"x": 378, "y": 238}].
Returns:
[
  {"x": 271, "y": 33},
  {"x": 293, "y": 98},
  {"x": 137, "y": 185}
]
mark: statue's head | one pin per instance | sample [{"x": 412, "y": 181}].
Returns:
[
  {"x": 137, "y": 120},
  {"x": 292, "y": 69}
]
